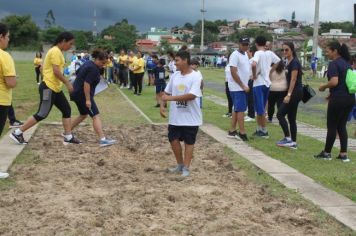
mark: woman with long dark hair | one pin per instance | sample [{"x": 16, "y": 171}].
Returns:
[
  {"x": 340, "y": 102},
  {"x": 51, "y": 91},
  {"x": 289, "y": 106}
]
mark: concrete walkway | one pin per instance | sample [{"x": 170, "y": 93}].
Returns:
[
  {"x": 303, "y": 128},
  {"x": 9, "y": 150}
]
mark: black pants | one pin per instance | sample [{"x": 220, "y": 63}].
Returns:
[
  {"x": 337, "y": 114},
  {"x": 290, "y": 109},
  {"x": 123, "y": 75},
  {"x": 11, "y": 114},
  {"x": 229, "y": 99},
  {"x": 3, "y": 117},
  {"x": 49, "y": 98},
  {"x": 137, "y": 83},
  {"x": 131, "y": 78},
  {"x": 250, "y": 103},
  {"x": 38, "y": 73},
  {"x": 275, "y": 97}
]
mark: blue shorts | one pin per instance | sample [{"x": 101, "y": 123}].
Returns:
[
  {"x": 239, "y": 100},
  {"x": 260, "y": 97},
  {"x": 160, "y": 88}
]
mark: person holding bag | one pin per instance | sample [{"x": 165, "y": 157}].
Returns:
[{"x": 341, "y": 101}]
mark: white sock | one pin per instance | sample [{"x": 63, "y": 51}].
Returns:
[
  {"x": 68, "y": 136},
  {"x": 288, "y": 139},
  {"x": 263, "y": 129},
  {"x": 18, "y": 132},
  {"x": 103, "y": 139}
]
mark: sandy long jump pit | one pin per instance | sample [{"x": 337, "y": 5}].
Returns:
[{"x": 126, "y": 190}]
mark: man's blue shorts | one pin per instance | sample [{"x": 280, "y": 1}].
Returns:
[
  {"x": 239, "y": 100},
  {"x": 260, "y": 97}
]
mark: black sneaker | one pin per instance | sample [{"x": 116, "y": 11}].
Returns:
[
  {"x": 243, "y": 137},
  {"x": 73, "y": 140},
  {"x": 323, "y": 156},
  {"x": 19, "y": 139},
  {"x": 261, "y": 134},
  {"x": 232, "y": 134},
  {"x": 158, "y": 105},
  {"x": 15, "y": 124},
  {"x": 343, "y": 158}
]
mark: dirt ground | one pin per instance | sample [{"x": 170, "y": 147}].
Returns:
[{"x": 126, "y": 190}]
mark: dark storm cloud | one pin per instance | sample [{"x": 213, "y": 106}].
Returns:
[{"x": 78, "y": 14}]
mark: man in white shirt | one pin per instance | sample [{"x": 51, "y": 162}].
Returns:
[
  {"x": 185, "y": 117},
  {"x": 261, "y": 68},
  {"x": 238, "y": 86}
]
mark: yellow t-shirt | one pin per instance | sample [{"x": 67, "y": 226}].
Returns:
[
  {"x": 109, "y": 63},
  {"x": 131, "y": 60},
  {"x": 139, "y": 63},
  {"x": 54, "y": 57},
  {"x": 37, "y": 62},
  {"x": 123, "y": 59},
  {"x": 7, "y": 69}
]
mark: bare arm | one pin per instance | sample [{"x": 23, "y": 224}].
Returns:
[
  {"x": 180, "y": 98},
  {"x": 57, "y": 72},
  {"x": 10, "y": 81},
  {"x": 292, "y": 82},
  {"x": 254, "y": 70},
  {"x": 333, "y": 82}
]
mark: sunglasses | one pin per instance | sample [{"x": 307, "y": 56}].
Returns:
[{"x": 285, "y": 50}]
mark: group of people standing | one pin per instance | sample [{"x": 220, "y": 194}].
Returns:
[{"x": 277, "y": 81}]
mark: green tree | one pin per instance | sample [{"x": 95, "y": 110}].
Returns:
[
  {"x": 188, "y": 26},
  {"x": 23, "y": 30},
  {"x": 49, "y": 35},
  {"x": 346, "y": 27},
  {"x": 50, "y": 20},
  {"x": 123, "y": 35},
  {"x": 104, "y": 44},
  {"x": 308, "y": 31},
  {"x": 294, "y": 23},
  {"x": 82, "y": 39}
]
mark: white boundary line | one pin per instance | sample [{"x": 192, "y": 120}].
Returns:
[{"x": 134, "y": 106}]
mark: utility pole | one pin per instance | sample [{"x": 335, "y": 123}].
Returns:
[
  {"x": 95, "y": 28},
  {"x": 316, "y": 28},
  {"x": 202, "y": 10}
]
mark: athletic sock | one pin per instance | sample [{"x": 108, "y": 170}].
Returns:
[
  {"x": 18, "y": 132},
  {"x": 68, "y": 136},
  {"x": 264, "y": 130},
  {"x": 288, "y": 139},
  {"x": 103, "y": 139}
]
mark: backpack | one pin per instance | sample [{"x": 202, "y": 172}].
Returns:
[{"x": 351, "y": 81}]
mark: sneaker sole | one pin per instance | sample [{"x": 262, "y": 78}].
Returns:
[
  {"x": 66, "y": 143},
  {"x": 324, "y": 159},
  {"x": 4, "y": 177},
  {"x": 105, "y": 145},
  {"x": 13, "y": 138}
]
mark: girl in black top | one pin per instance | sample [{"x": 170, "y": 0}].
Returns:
[
  {"x": 290, "y": 102},
  {"x": 341, "y": 101}
]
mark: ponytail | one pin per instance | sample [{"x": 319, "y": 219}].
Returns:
[
  {"x": 342, "y": 49},
  {"x": 3, "y": 29}
]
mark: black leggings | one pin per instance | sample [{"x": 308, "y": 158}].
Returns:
[
  {"x": 337, "y": 114},
  {"x": 229, "y": 99},
  {"x": 123, "y": 75},
  {"x": 11, "y": 114},
  {"x": 290, "y": 109},
  {"x": 275, "y": 97},
  {"x": 3, "y": 117},
  {"x": 38, "y": 73},
  {"x": 49, "y": 98},
  {"x": 137, "y": 83}
]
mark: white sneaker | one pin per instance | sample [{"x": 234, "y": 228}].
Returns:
[
  {"x": 249, "y": 119},
  {"x": 185, "y": 172},
  {"x": 3, "y": 175},
  {"x": 121, "y": 87}
]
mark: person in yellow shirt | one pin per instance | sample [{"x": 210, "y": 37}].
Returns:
[
  {"x": 38, "y": 63},
  {"x": 138, "y": 69},
  {"x": 123, "y": 61},
  {"x": 110, "y": 69},
  {"x": 130, "y": 61},
  {"x": 7, "y": 80},
  {"x": 51, "y": 91}
]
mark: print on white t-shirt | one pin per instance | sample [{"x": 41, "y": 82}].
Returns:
[
  {"x": 264, "y": 60},
  {"x": 185, "y": 113},
  {"x": 242, "y": 63}
]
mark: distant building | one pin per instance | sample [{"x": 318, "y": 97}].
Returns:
[
  {"x": 155, "y": 34},
  {"x": 336, "y": 34},
  {"x": 225, "y": 31},
  {"x": 146, "y": 45}
]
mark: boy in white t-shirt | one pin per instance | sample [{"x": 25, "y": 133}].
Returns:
[
  {"x": 185, "y": 117},
  {"x": 261, "y": 68},
  {"x": 238, "y": 85}
]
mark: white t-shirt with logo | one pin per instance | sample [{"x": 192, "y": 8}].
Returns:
[
  {"x": 264, "y": 60},
  {"x": 187, "y": 113},
  {"x": 242, "y": 63}
]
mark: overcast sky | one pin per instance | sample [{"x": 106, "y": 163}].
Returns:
[{"x": 78, "y": 14}]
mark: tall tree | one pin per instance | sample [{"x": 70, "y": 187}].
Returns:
[
  {"x": 50, "y": 34},
  {"x": 23, "y": 30},
  {"x": 50, "y": 20},
  {"x": 294, "y": 23}
]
